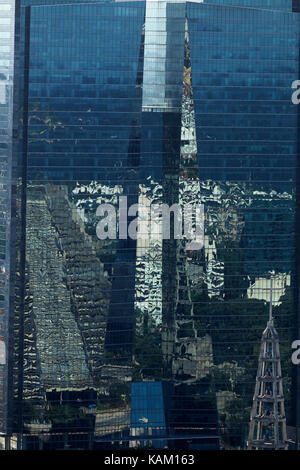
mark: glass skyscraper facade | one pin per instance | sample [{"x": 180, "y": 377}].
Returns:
[
  {"x": 7, "y": 41},
  {"x": 143, "y": 342}
]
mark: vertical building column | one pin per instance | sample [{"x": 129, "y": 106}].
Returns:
[{"x": 7, "y": 38}]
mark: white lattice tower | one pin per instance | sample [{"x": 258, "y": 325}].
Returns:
[{"x": 267, "y": 419}]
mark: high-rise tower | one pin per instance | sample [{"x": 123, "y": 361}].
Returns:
[{"x": 164, "y": 102}]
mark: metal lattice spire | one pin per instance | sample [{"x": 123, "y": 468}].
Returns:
[{"x": 267, "y": 418}]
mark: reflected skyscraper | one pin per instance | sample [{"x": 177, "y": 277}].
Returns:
[{"x": 145, "y": 342}]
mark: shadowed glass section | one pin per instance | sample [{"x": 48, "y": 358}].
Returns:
[
  {"x": 82, "y": 114},
  {"x": 246, "y": 127},
  {"x": 261, "y": 4}
]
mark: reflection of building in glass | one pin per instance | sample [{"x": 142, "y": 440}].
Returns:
[
  {"x": 162, "y": 102},
  {"x": 268, "y": 419},
  {"x": 148, "y": 415}
]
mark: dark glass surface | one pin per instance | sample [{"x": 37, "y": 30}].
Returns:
[{"x": 168, "y": 103}]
